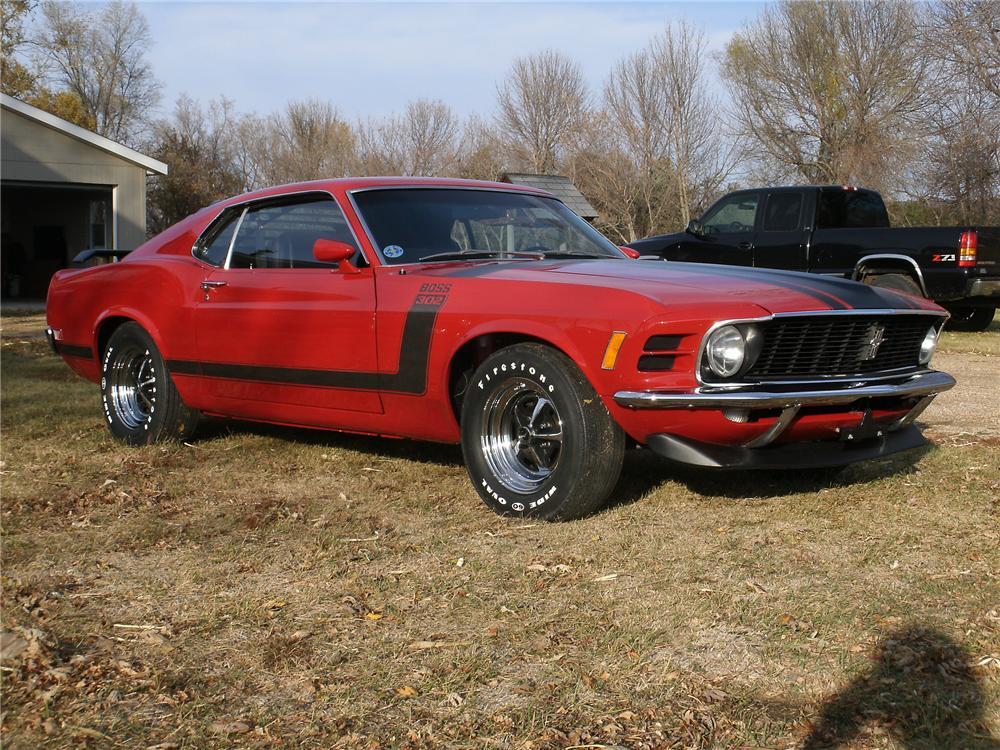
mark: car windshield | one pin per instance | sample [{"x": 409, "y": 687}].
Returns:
[{"x": 410, "y": 225}]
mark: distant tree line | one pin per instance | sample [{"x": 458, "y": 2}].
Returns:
[{"x": 901, "y": 97}]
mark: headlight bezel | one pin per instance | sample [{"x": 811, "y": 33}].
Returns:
[{"x": 752, "y": 342}]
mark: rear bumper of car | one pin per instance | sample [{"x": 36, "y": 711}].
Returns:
[{"x": 776, "y": 411}]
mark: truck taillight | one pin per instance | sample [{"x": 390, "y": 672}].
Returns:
[{"x": 967, "y": 246}]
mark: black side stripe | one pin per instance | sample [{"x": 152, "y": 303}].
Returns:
[
  {"x": 414, "y": 356},
  {"x": 70, "y": 350}
]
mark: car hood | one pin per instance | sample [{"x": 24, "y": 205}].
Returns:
[{"x": 672, "y": 283}]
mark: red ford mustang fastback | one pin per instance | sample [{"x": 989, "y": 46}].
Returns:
[{"x": 491, "y": 315}]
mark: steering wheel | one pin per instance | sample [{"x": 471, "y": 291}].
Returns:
[
  {"x": 736, "y": 227},
  {"x": 533, "y": 249}
]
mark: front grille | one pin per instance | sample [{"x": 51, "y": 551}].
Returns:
[{"x": 835, "y": 345}]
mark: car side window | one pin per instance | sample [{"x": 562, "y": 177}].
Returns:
[
  {"x": 731, "y": 215},
  {"x": 213, "y": 246},
  {"x": 282, "y": 234},
  {"x": 783, "y": 212}
]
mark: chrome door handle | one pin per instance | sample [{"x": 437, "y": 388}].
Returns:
[
  {"x": 745, "y": 246},
  {"x": 206, "y": 285}
]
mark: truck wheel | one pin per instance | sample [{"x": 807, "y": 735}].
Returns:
[
  {"x": 970, "y": 318},
  {"x": 141, "y": 403},
  {"x": 537, "y": 439},
  {"x": 898, "y": 282}
]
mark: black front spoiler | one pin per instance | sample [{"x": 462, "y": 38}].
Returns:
[{"x": 812, "y": 455}]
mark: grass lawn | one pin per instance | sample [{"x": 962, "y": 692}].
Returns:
[{"x": 265, "y": 587}]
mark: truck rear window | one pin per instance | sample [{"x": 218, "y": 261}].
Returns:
[{"x": 845, "y": 209}]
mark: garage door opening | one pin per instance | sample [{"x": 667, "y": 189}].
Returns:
[{"x": 45, "y": 226}]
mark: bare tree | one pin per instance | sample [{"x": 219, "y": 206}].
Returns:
[
  {"x": 541, "y": 106},
  {"x": 965, "y": 35},
  {"x": 481, "y": 152},
  {"x": 422, "y": 141},
  {"x": 308, "y": 141},
  {"x": 659, "y": 141},
  {"x": 100, "y": 56},
  {"x": 958, "y": 175},
  {"x": 830, "y": 90},
  {"x": 199, "y": 147}
]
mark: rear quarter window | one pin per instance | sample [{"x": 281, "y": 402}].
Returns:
[{"x": 850, "y": 209}]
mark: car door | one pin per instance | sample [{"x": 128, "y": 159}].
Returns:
[
  {"x": 274, "y": 325},
  {"x": 727, "y": 233},
  {"x": 781, "y": 240}
]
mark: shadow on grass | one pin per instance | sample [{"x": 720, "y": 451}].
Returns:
[
  {"x": 413, "y": 450},
  {"x": 642, "y": 473},
  {"x": 922, "y": 689}
]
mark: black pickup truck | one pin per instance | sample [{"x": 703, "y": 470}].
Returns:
[{"x": 844, "y": 231}]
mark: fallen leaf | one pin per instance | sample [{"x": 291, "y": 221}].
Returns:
[
  {"x": 373, "y": 616},
  {"x": 407, "y": 691}
]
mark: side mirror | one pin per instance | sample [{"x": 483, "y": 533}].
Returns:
[
  {"x": 334, "y": 251},
  {"x": 694, "y": 227}
]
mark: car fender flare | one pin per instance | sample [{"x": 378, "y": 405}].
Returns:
[
  {"x": 894, "y": 261},
  {"x": 132, "y": 314}
]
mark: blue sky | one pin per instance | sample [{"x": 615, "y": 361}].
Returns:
[{"x": 369, "y": 59}]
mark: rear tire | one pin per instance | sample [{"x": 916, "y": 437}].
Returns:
[
  {"x": 537, "y": 439},
  {"x": 970, "y": 318},
  {"x": 141, "y": 402},
  {"x": 898, "y": 282}
]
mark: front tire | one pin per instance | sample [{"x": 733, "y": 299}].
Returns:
[
  {"x": 970, "y": 318},
  {"x": 897, "y": 282},
  {"x": 141, "y": 402},
  {"x": 537, "y": 439}
]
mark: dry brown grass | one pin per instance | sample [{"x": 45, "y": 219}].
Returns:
[{"x": 272, "y": 587}]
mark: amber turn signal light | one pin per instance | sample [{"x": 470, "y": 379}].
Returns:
[{"x": 611, "y": 353}]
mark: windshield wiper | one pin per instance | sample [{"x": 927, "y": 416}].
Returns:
[
  {"x": 571, "y": 254},
  {"x": 473, "y": 254}
]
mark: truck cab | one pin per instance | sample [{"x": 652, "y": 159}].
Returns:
[{"x": 844, "y": 231}]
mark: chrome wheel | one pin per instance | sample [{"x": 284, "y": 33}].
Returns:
[
  {"x": 522, "y": 435},
  {"x": 131, "y": 386}
]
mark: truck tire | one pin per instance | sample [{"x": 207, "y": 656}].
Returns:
[
  {"x": 537, "y": 439},
  {"x": 898, "y": 282},
  {"x": 970, "y": 318},
  {"x": 141, "y": 402}
]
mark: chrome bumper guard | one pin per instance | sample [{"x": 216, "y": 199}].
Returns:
[{"x": 923, "y": 386}]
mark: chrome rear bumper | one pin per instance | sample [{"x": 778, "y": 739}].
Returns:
[{"x": 922, "y": 384}]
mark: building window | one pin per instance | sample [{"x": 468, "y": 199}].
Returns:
[{"x": 100, "y": 223}]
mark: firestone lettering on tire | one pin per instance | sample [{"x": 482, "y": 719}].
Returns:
[{"x": 517, "y": 367}]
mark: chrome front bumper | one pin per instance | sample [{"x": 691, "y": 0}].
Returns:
[{"x": 922, "y": 384}]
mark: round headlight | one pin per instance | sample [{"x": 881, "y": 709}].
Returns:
[
  {"x": 928, "y": 345},
  {"x": 725, "y": 351}
]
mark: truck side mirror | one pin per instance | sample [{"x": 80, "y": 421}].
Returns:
[{"x": 694, "y": 227}]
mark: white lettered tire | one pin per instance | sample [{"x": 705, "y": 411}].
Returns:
[
  {"x": 141, "y": 404},
  {"x": 537, "y": 439}
]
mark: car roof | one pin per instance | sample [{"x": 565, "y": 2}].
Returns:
[{"x": 346, "y": 184}]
